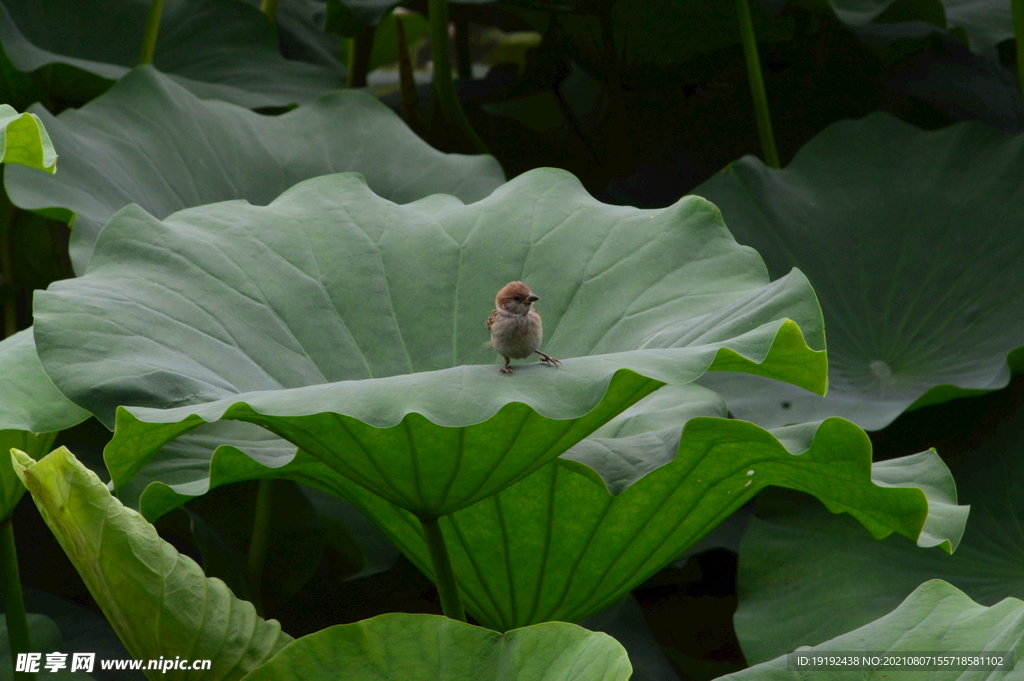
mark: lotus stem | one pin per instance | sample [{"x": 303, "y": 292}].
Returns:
[
  {"x": 269, "y": 8},
  {"x": 156, "y": 10},
  {"x": 1017, "y": 6},
  {"x": 14, "y": 601},
  {"x": 259, "y": 540},
  {"x": 444, "y": 575},
  {"x": 410, "y": 105},
  {"x": 764, "y": 120},
  {"x": 445, "y": 96},
  {"x": 360, "y": 50}
]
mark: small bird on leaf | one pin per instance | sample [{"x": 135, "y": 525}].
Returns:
[{"x": 515, "y": 326}]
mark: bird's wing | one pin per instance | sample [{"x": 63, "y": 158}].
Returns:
[{"x": 492, "y": 318}]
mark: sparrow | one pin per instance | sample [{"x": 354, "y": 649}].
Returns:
[{"x": 515, "y": 326}]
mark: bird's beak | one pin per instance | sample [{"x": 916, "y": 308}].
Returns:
[{"x": 532, "y": 298}]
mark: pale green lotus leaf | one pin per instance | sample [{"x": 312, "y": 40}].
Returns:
[
  {"x": 937, "y": 620},
  {"x": 401, "y": 646},
  {"x": 911, "y": 241},
  {"x": 159, "y": 602},
  {"x": 24, "y": 140}
]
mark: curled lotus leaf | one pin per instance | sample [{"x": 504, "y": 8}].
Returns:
[
  {"x": 911, "y": 241},
  {"x": 625, "y": 501},
  {"x": 24, "y": 140},
  {"x": 354, "y": 327},
  {"x": 158, "y": 601}
]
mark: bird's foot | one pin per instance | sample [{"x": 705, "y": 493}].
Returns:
[
  {"x": 548, "y": 358},
  {"x": 506, "y": 370}
]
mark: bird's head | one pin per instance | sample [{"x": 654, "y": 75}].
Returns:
[{"x": 515, "y": 297}]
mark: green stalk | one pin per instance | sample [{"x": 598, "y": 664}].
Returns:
[
  {"x": 764, "y": 120},
  {"x": 156, "y": 10},
  {"x": 259, "y": 540},
  {"x": 14, "y": 601},
  {"x": 269, "y": 7},
  {"x": 444, "y": 90},
  {"x": 1017, "y": 6},
  {"x": 360, "y": 49},
  {"x": 444, "y": 575},
  {"x": 410, "y": 105}
]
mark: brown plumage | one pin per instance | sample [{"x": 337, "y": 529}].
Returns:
[{"x": 515, "y": 325}]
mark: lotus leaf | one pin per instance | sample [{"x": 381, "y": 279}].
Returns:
[
  {"x": 645, "y": 495},
  {"x": 937, "y": 618},
  {"x": 219, "y": 50},
  {"x": 151, "y": 142},
  {"x": 559, "y": 546},
  {"x": 29, "y": 400},
  {"x": 400, "y": 646},
  {"x": 353, "y": 327},
  {"x": 911, "y": 241},
  {"x": 24, "y": 140},
  {"x": 158, "y": 601},
  {"x": 780, "y": 582}
]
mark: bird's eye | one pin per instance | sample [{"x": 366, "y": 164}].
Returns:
[{"x": 518, "y": 299}]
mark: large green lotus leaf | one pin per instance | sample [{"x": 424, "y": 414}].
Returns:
[
  {"x": 29, "y": 400},
  {"x": 24, "y": 140},
  {"x": 559, "y": 546},
  {"x": 151, "y": 142},
  {"x": 796, "y": 563},
  {"x": 937, "y": 618},
  {"x": 354, "y": 327},
  {"x": 219, "y": 50},
  {"x": 911, "y": 241},
  {"x": 400, "y": 646},
  {"x": 32, "y": 410},
  {"x": 158, "y": 601}
]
